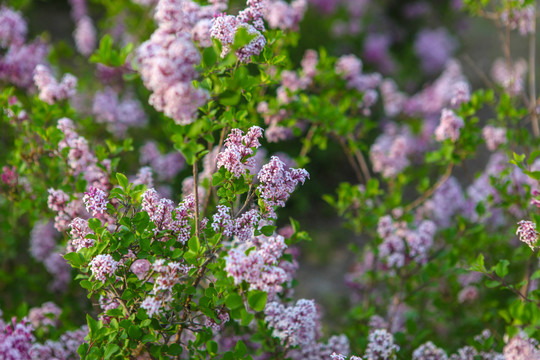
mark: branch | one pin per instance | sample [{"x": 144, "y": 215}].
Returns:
[{"x": 430, "y": 191}]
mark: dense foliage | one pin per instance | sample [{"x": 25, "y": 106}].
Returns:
[{"x": 163, "y": 168}]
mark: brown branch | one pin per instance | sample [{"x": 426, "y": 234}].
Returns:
[{"x": 430, "y": 191}]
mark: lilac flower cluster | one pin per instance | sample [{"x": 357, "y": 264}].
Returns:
[
  {"x": 434, "y": 48},
  {"x": 118, "y": 114},
  {"x": 79, "y": 231},
  {"x": 102, "y": 266},
  {"x": 449, "y": 126},
  {"x": 167, "y": 61},
  {"x": 527, "y": 233},
  {"x": 519, "y": 17},
  {"x": 350, "y": 67},
  {"x": 293, "y": 325},
  {"x": 9, "y": 176},
  {"x": 389, "y": 154},
  {"x": 259, "y": 268},
  {"x": 237, "y": 157},
  {"x": 166, "y": 166},
  {"x": 381, "y": 346},
  {"x": 402, "y": 244},
  {"x": 520, "y": 347},
  {"x": 510, "y": 77},
  {"x": 277, "y": 184},
  {"x": 140, "y": 268},
  {"x": 225, "y": 27},
  {"x": 438, "y": 208},
  {"x": 15, "y": 340},
  {"x": 18, "y": 62},
  {"x": 291, "y": 82},
  {"x": 43, "y": 249},
  {"x": 46, "y": 315},
  {"x": 168, "y": 275},
  {"x": 166, "y": 217},
  {"x": 377, "y": 51},
  {"x": 284, "y": 16},
  {"x": 95, "y": 200},
  {"x": 429, "y": 351},
  {"x": 65, "y": 348},
  {"x": 494, "y": 136},
  {"x": 50, "y": 90},
  {"x": 85, "y": 32}
]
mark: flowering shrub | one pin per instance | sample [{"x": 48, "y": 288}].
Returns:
[{"x": 160, "y": 165}]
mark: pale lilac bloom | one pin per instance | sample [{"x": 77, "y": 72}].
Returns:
[
  {"x": 494, "y": 136},
  {"x": 15, "y": 339},
  {"x": 46, "y": 315},
  {"x": 521, "y": 348},
  {"x": 79, "y": 231},
  {"x": 511, "y": 78},
  {"x": 95, "y": 200},
  {"x": 449, "y": 126},
  {"x": 381, "y": 346},
  {"x": 429, "y": 351},
  {"x": 527, "y": 233},
  {"x": 18, "y": 63},
  {"x": 284, "y": 16},
  {"x": 520, "y": 17},
  {"x": 85, "y": 36},
  {"x": 140, "y": 267},
  {"x": 293, "y": 325},
  {"x": 42, "y": 240},
  {"x": 50, "y": 90},
  {"x": 102, "y": 266}
]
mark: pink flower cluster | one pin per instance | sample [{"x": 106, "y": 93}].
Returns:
[
  {"x": 284, "y": 16},
  {"x": 519, "y": 17},
  {"x": 166, "y": 217},
  {"x": 167, "y": 64},
  {"x": 449, "y": 126},
  {"x": 102, "y": 266},
  {"x": 381, "y": 346},
  {"x": 402, "y": 244},
  {"x": 277, "y": 184},
  {"x": 9, "y": 175},
  {"x": 140, "y": 268},
  {"x": 237, "y": 157},
  {"x": 79, "y": 231},
  {"x": 389, "y": 154},
  {"x": 168, "y": 275},
  {"x": 527, "y": 233},
  {"x": 95, "y": 200},
  {"x": 225, "y": 27},
  {"x": 50, "y": 90},
  {"x": 520, "y": 347},
  {"x": 80, "y": 157},
  {"x": 65, "y": 348},
  {"x": 293, "y": 325},
  {"x": 494, "y": 136},
  {"x": 259, "y": 268},
  {"x": 429, "y": 351},
  {"x": 17, "y": 64},
  {"x": 438, "y": 208},
  {"x": 85, "y": 32},
  {"x": 118, "y": 114},
  {"x": 291, "y": 82},
  {"x": 510, "y": 77}
]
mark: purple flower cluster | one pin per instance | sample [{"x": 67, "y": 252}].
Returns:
[
  {"x": 438, "y": 208},
  {"x": 225, "y": 27},
  {"x": 15, "y": 340},
  {"x": 237, "y": 157},
  {"x": 46, "y": 315},
  {"x": 350, "y": 67},
  {"x": 95, "y": 200},
  {"x": 166, "y": 166},
  {"x": 381, "y": 346},
  {"x": 102, "y": 266},
  {"x": 377, "y": 51},
  {"x": 449, "y": 126},
  {"x": 18, "y": 62},
  {"x": 521, "y": 348},
  {"x": 65, "y": 348},
  {"x": 118, "y": 114},
  {"x": 293, "y": 325},
  {"x": 291, "y": 82},
  {"x": 434, "y": 48},
  {"x": 85, "y": 32},
  {"x": 259, "y": 268},
  {"x": 402, "y": 244},
  {"x": 277, "y": 183},
  {"x": 166, "y": 217},
  {"x": 429, "y": 351}
]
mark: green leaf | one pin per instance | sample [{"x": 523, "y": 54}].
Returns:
[
  {"x": 194, "y": 244},
  {"x": 234, "y": 301},
  {"x": 240, "y": 350},
  {"x": 268, "y": 230},
  {"x": 175, "y": 349},
  {"x": 110, "y": 350},
  {"x": 122, "y": 180},
  {"x": 501, "y": 269},
  {"x": 257, "y": 300}
]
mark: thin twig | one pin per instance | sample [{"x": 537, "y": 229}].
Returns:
[
  {"x": 350, "y": 158},
  {"x": 196, "y": 187},
  {"x": 430, "y": 191}
]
